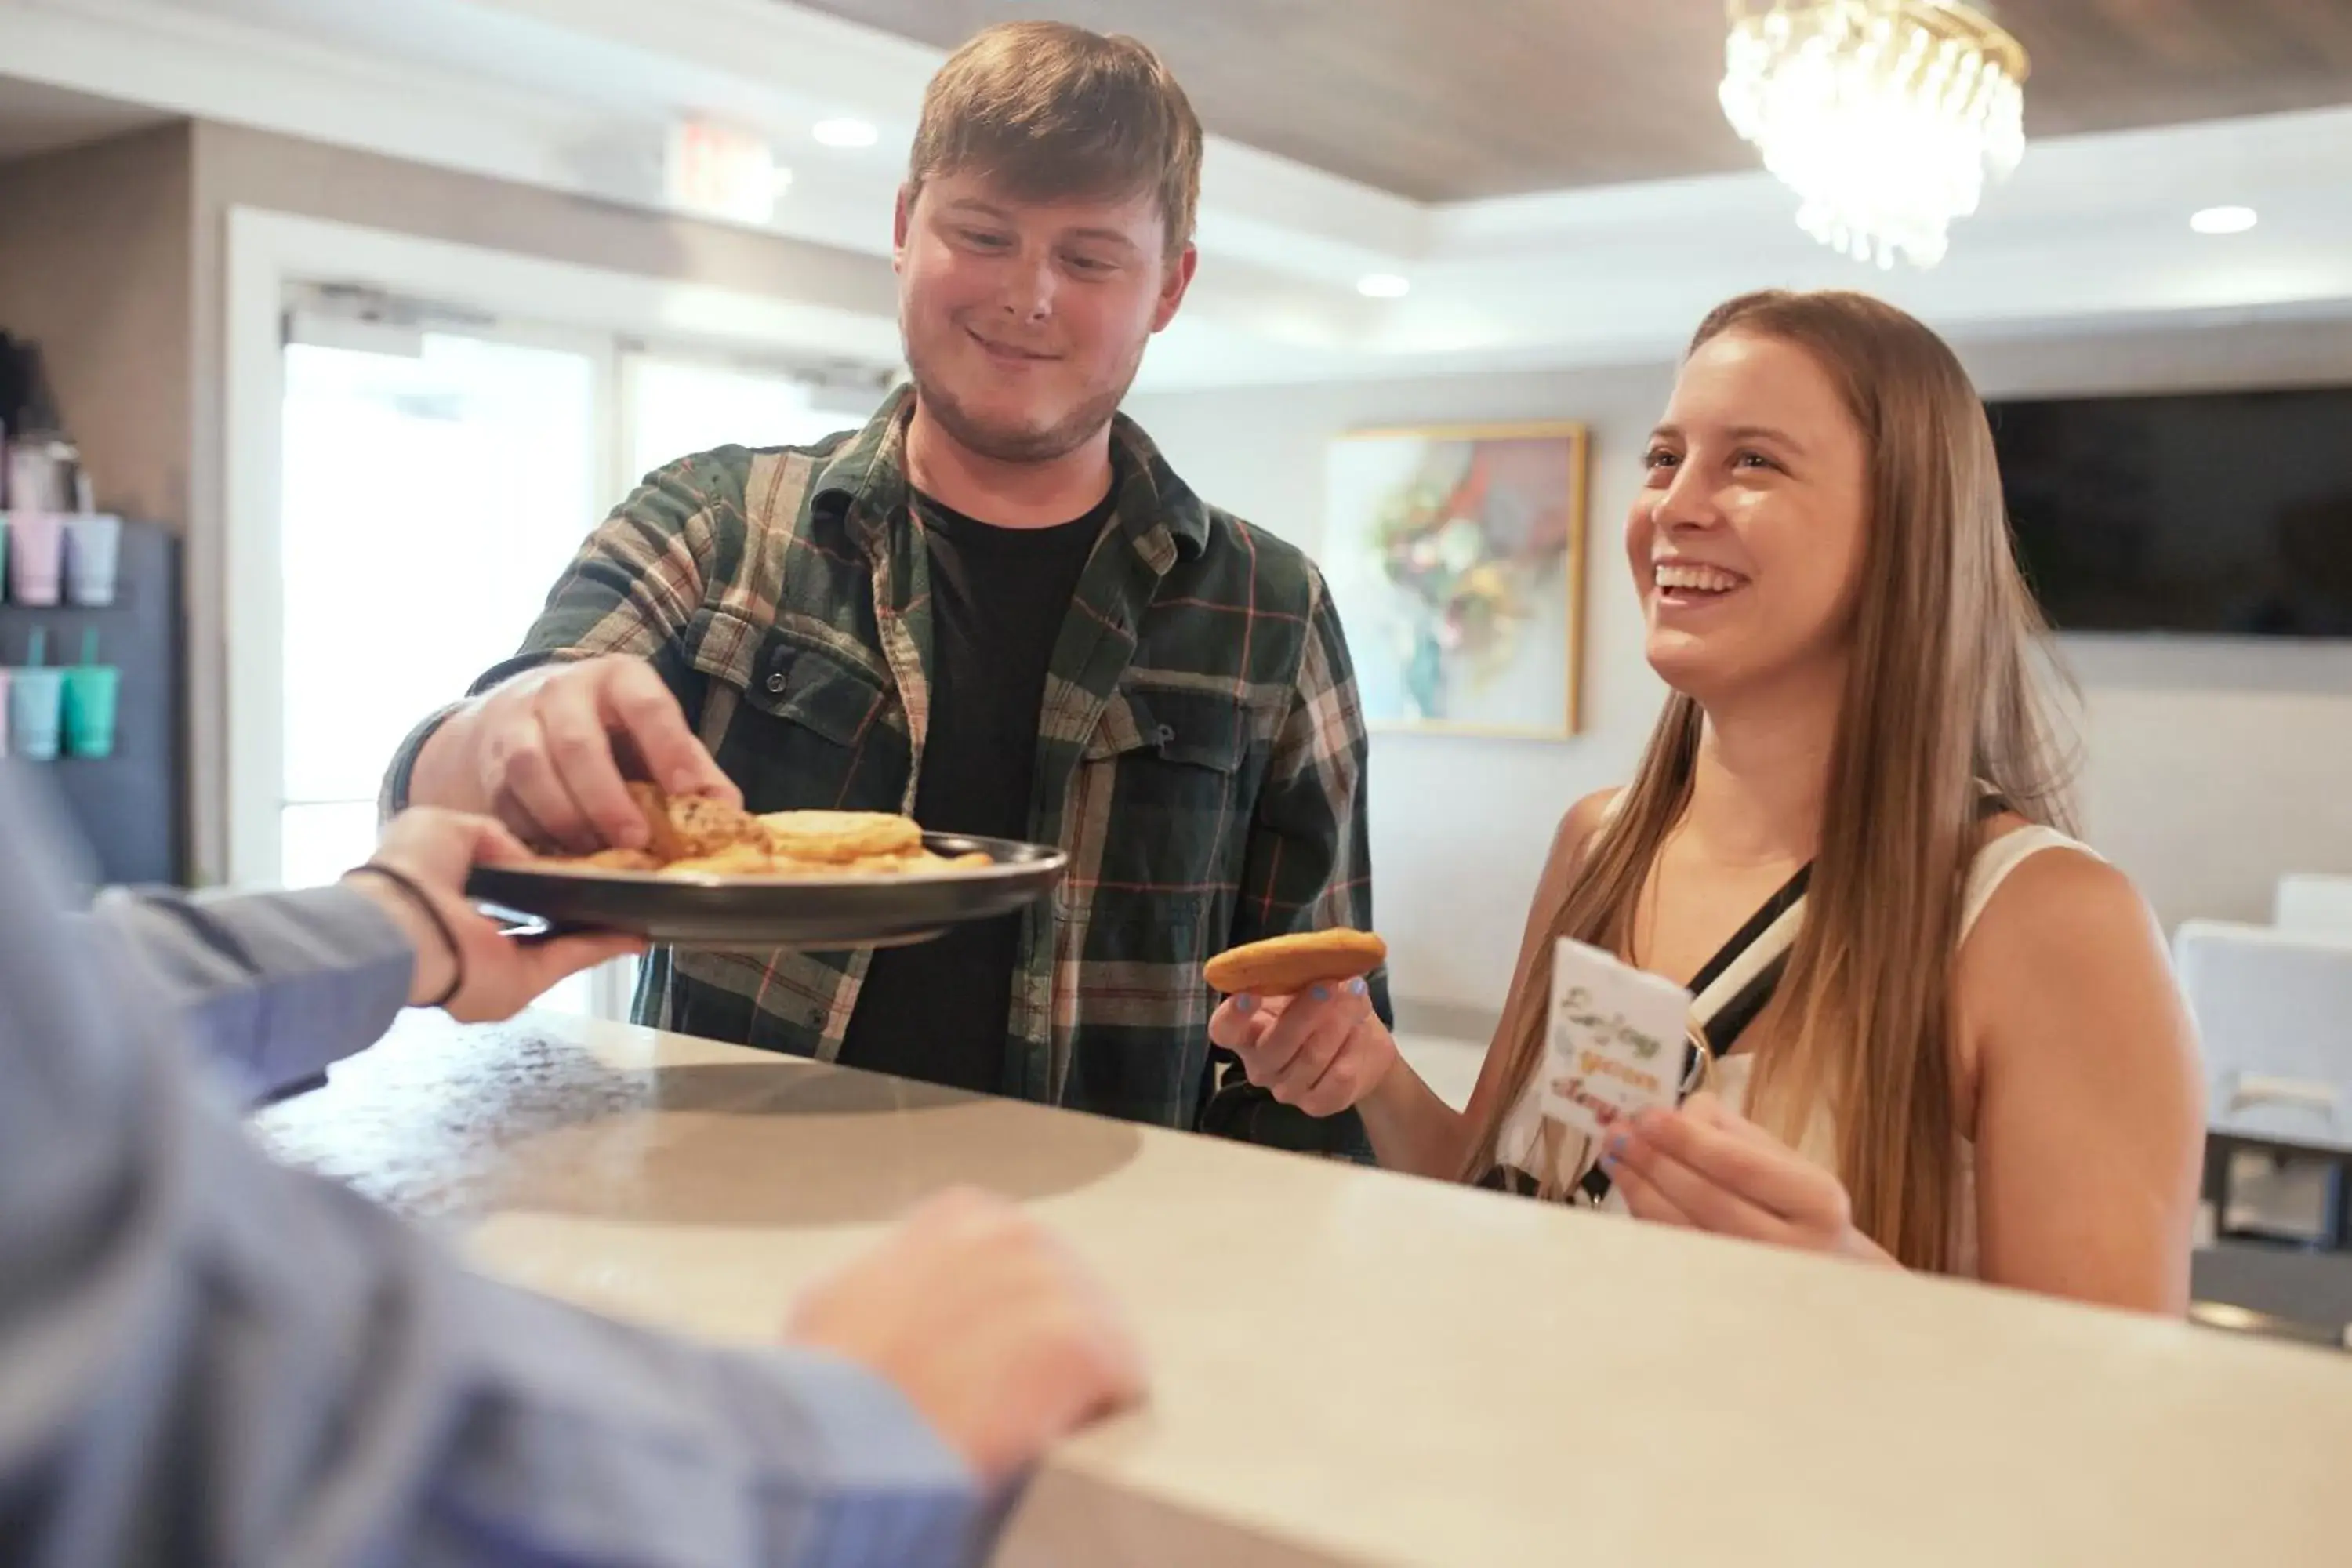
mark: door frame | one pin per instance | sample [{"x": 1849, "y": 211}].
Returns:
[
  {"x": 603, "y": 465},
  {"x": 236, "y": 637}
]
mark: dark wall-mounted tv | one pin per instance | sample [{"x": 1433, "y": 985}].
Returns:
[{"x": 2216, "y": 514}]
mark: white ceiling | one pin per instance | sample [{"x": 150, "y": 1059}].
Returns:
[
  {"x": 38, "y": 118},
  {"x": 574, "y": 94}
]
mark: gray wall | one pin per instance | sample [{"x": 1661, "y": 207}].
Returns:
[
  {"x": 94, "y": 260},
  {"x": 2211, "y": 767}
]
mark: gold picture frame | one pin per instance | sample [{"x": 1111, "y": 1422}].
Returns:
[{"x": 1456, "y": 558}]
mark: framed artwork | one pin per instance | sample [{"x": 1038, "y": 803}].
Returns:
[{"x": 1456, "y": 555}]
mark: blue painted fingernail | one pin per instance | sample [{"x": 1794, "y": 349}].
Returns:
[
  {"x": 1322, "y": 994},
  {"x": 1245, "y": 1003},
  {"x": 1617, "y": 1144},
  {"x": 1356, "y": 987},
  {"x": 1608, "y": 1161}
]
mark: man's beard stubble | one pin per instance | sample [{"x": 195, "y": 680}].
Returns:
[{"x": 999, "y": 445}]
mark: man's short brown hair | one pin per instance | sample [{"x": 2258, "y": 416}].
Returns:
[{"x": 1052, "y": 111}]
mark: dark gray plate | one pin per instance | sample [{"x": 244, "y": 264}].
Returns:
[{"x": 745, "y": 913}]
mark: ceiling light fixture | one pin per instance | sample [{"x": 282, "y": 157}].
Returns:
[
  {"x": 1383, "y": 286},
  {"x": 1887, "y": 117},
  {"x": 845, "y": 132},
  {"x": 2223, "y": 220}
]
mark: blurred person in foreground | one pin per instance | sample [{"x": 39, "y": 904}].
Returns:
[{"x": 206, "y": 1357}]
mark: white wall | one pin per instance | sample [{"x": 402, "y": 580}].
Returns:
[{"x": 2212, "y": 767}]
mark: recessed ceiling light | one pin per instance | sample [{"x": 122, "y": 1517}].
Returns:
[
  {"x": 2223, "y": 220},
  {"x": 1383, "y": 286},
  {"x": 845, "y": 132}
]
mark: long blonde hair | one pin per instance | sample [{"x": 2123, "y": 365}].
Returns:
[{"x": 1940, "y": 693}]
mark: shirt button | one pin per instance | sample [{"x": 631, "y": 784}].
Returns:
[{"x": 776, "y": 683}]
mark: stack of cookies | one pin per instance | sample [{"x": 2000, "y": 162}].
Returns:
[
  {"x": 691, "y": 836},
  {"x": 852, "y": 843}
]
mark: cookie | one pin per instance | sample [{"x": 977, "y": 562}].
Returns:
[
  {"x": 607, "y": 861},
  {"x": 661, "y": 838},
  {"x": 921, "y": 863},
  {"x": 705, "y": 828},
  {"x": 1287, "y": 965},
  {"x": 841, "y": 835},
  {"x": 728, "y": 860}
]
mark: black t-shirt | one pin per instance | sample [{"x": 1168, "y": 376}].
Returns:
[{"x": 937, "y": 1011}]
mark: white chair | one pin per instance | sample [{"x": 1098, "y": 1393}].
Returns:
[
  {"x": 2273, "y": 1011},
  {"x": 2315, "y": 902},
  {"x": 2269, "y": 1002}
]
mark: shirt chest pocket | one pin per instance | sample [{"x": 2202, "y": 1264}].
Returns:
[
  {"x": 1176, "y": 773},
  {"x": 813, "y": 730}
]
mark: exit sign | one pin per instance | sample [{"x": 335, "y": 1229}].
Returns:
[{"x": 719, "y": 171}]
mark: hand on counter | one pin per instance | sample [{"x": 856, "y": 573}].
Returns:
[
  {"x": 1707, "y": 1167},
  {"x": 1321, "y": 1051},
  {"x": 543, "y": 753},
  {"x": 465, "y": 963},
  {"x": 991, "y": 1329}
]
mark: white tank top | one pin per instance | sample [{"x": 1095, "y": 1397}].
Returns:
[{"x": 1561, "y": 1158}]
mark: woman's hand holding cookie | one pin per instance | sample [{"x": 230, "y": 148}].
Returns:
[
  {"x": 1321, "y": 1050},
  {"x": 1299, "y": 1014}
]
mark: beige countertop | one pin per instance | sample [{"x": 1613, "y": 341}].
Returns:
[{"x": 1352, "y": 1366}]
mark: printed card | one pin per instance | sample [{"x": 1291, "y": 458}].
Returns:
[{"x": 1616, "y": 1039}]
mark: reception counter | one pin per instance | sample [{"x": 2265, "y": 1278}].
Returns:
[{"x": 1352, "y": 1366}]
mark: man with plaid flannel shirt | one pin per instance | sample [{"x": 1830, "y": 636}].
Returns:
[{"x": 907, "y": 618}]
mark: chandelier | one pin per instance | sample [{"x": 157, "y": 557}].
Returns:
[{"x": 1883, "y": 116}]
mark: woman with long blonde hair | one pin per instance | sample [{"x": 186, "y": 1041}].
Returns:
[{"x": 1945, "y": 1035}]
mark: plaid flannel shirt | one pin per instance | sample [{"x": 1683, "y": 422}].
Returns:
[{"x": 1201, "y": 749}]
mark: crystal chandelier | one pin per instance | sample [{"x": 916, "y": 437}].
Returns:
[{"x": 1885, "y": 116}]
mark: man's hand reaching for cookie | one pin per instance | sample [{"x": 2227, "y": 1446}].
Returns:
[
  {"x": 549, "y": 752},
  {"x": 1300, "y": 1017}
]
